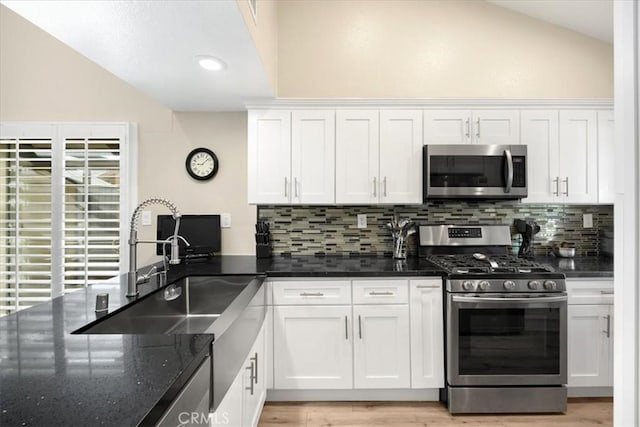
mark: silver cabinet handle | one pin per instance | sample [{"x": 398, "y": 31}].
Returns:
[
  {"x": 375, "y": 185},
  {"x": 478, "y": 127},
  {"x": 295, "y": 187},
  {"x": 251, "y": 368},
  {"x": 557, "y": 182},
  {"x": 607, "y": 292},
  {"x": 254, "y": 359},
  {"x": 608, "y": 330},
  {"x": 359, "y": 327},
  {"x": 311, "y": 294},
  {"x": 428, "y": 286},
  {"x": 384, "y": 182},
  {"x": 467, "y": 126},
  {"x": 566, "y": 182},
  {"x": 285, "y": 186},
  {"x": 346, "y": 328},
  {"x": 385, "y": 293}
]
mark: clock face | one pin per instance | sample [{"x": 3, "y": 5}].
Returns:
[{"x": 202, "y": 164}]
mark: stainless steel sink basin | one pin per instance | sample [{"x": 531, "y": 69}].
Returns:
[{"x": 189, "y": 306}]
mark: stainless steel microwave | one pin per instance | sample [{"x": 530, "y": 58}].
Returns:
[{"x": 469, "y": 171}]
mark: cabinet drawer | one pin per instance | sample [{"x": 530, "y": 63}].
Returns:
[
  {"x": 590, "y": 291},
  {"x": 381, "y": 291},
  {"x": 313, "y": 292}
]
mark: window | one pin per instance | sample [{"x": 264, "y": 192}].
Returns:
[{"x": 64, "y": 191}]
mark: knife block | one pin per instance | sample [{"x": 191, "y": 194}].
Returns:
[{"x": 263, "y": 251}]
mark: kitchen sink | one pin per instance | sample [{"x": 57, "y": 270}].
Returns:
[{"x": 189, "y": 306}]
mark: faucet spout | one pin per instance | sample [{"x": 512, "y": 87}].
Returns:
[{"x": 132, "y": 275}]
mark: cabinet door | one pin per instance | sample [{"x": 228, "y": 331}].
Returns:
[
  {"x": 269, "y": 157},
  {"x": 313, "y": 156},
  {"x": 589, "y": 346},
  {"x": 400, "y": 156},
  {"x": 578, "y": 162},
  {"x": 357, "y": 154},
  {"x": 255, "y": 394},
  {"x": 230, "y": 411},
  {"x": 606, "y": 157},
  {"x": 312, "y": 347},
  {"x": 447, "y": 127},
  {"x": 540, "y": 135},
  {"x": 381, "y": 355},
  {"x": 496, "y": 127},
  {"x": 427, "y": 333}
]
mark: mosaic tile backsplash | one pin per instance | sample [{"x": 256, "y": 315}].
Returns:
[{"x": 331, "y": 230}]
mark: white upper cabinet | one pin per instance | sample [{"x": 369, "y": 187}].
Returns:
[
  {"x": 378, "y": 156},
  {"x": 291, "y": 157},
  {"x": 606, "y": 157},
  {"x": 471, "y": 126},
  {"x": 562, "y": 155},
  {"x": 540, "y": 135},
  {"x": 269, "y": 156},
  {"x": 357, "y": 144},
  {"x": 313, "y": 156},
  {"x": 400, "y": 156},
  {"x": 578, "y": 163}
]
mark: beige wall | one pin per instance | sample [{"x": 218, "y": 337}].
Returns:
[
  {"x": 264, "y": 31},
  {"x": 43, "y": 80},
  {"x": 432, "y": 49}
]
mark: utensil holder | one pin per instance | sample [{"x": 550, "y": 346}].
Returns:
[{"x": 399, "y": 247}]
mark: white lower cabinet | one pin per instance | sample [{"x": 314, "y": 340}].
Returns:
[
  {"x": 381, "y": 346},
  {"x": 242, "y": 405},
  {"x": 427, "y": 333},
  {"x": 312, "y": 347},
  {"x": 590, "y": 335},
  {"x": 385, "y": 333}
]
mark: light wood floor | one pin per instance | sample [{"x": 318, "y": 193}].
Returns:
[{"x": 581, "y": 412}]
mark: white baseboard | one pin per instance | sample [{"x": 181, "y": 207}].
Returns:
[
  {"x": 427, "y": 395},
  {"x": 590, "y": 391}
]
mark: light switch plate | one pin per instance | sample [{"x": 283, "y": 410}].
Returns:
[
  {"x": 225, "y": 220},
  {"x": 146, "y": 217},
  {"x": 587, "y": 220},
  {"x": 362, "y": 220}
]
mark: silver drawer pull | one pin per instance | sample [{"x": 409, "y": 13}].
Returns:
[
  {"x": 250, "y": 368},
  {"x": 381, "y": 294},
  {"x": 311, "y": 294},
  {"x": 607, "y": 292},
  {"x": 428, "y": 286}
]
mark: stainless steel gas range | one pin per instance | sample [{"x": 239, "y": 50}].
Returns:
[{"x": 505, "y": 323}]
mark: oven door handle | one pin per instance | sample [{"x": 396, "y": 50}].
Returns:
[{"x": 507, "y": 300}]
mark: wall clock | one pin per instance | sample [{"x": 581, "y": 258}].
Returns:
[{"x": 202, "y": 164}]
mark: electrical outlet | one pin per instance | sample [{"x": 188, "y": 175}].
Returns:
[
  {"x": 225, "y": 220},
  {"x": 146, "y": 217},
  {"x": 587, "y": 220},
  {"x": 362, "y": 221}
]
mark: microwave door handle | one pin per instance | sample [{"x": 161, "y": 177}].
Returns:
[{"x": 509, "y": 161}]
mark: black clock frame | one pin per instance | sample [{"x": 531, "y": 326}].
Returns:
[{"x": 215, "y": 164}]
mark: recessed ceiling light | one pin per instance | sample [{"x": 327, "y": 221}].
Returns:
[{"x": 210, "y": 63}]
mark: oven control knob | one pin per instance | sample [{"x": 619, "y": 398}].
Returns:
[
  {"x": 550, "y": 285},
  {"x": 484, "y": 285},
  {"x": 509, "y": 285},
  {"x": 467, "y": 285},
  {"x": 534, "y": 284}
]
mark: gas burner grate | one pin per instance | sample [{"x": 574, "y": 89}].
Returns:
[{"x": 466, "y": 263}]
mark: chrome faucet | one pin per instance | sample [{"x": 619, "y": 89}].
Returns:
[{"x": 132, "y": 277}]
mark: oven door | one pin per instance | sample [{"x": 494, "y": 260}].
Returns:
[
  {"x": 506, "y": 339},
  {"x": 475, "y": 171}
]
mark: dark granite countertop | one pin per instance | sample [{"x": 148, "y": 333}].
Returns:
[
  {"x": 49, "y": 376},
  {"x": 586, "y": 266}
]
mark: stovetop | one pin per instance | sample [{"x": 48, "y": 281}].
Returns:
[{"x": 466, "y": 263}]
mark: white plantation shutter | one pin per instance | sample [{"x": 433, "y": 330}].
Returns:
[
  {"x": 65, "y": 197},
  {"x": 25, "y": 216}
]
